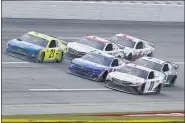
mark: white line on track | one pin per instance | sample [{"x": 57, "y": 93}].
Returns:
[{"x": 67, "y": 90}]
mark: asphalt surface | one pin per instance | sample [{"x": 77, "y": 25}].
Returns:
[{"x": 70, "y": 93}]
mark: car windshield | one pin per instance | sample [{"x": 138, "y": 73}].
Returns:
[
  {"x": 98, "y": 59},
  {"x": 149, "y": 64},
  {"x": 89, "y": 42},
  {"x": 34, "y": 40},
  {"x": 123, "y": 41},
  {"x": 134, "y": 71}
]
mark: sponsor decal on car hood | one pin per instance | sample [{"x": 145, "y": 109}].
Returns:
[{"x": 126, "y": 77}]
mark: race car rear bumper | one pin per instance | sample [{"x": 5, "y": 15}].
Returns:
[{"x": 122, "y": 87}]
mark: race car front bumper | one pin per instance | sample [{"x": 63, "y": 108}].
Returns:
[
  {"x": 74, "y": 54},
  {"x": 84, "y": 73},
  {"x": 123, "y": 87},
  {"x": 21, "y": 54}
]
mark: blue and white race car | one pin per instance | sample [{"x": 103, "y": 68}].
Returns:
[
  {"x": 37, "y": 47},
  {"x": 95, "y": 66}
]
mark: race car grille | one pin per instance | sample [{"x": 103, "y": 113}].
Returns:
[
  {"x": 82, "y": 71},
  {"x": 75, "y": 53},
  {"x": 121, "y": 82},
  {"x": 19, "y": 50},
  {"x": 119, "y": 87}
]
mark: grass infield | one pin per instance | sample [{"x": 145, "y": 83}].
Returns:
[{"x": 94, "y": 117}]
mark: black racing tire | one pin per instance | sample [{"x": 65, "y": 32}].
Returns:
[
  {"x": 173, "y": 80},
  {"x": 41, "y": 59},
  {"x": 150, "y": 54},
  {"x": 119, "y": 56},
  {"x": 158, "y": 89},
  {"x": 59, "y": 60},
  {"x": 129, "y": 57},
  {"x": 141, "y": 91},
  {"x": 104, "y": 76}
]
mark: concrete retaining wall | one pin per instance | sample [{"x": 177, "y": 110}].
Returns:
[{"x": 93, "y": 11}]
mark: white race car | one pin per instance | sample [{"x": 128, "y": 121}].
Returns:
[
  {"x": 165, "y": 67},
  {"x": 134, "y": 47},
  {"x": 88, "y": 44},
  {"x": 135, "y": 79}
]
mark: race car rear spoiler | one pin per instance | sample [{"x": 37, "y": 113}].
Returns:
[{"x": 175, "y": 66}]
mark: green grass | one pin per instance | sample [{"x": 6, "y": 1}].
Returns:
[
  {"x": 74, "y": 117},
  {"x": 81, "y": 117}
]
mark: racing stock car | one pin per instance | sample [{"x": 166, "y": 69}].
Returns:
[
  {"x": 88, "y": 44},
  {"x": 37, "y": 47},
  {"x": 95, "y": 66},
  {"x": 135, "y": 79},
  {"x": 134, "y": 47},
  {"x": 165, "y": 67}
]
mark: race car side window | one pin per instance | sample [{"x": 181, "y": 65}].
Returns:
[
  {"x": 115, "y": 63},
  {"x": 165, "y": 68},
  {"x": 109, "y": 47},
  {"x": 151, "y": 75},
  {"x": 52, "y": 44},
  {"x": 139, "y": 45}
]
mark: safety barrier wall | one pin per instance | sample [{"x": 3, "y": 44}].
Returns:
[{"x": 93, "y": 11}]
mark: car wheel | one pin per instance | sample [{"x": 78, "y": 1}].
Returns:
[
  {"x": 41, "y": 58},
  {"x": 150, "y": 54},
  {"x": 104, "y": 76},
  {"x": 172, "y": 82},
  {"x": 129, "y": 57},
  {"x": 141, "y": 91},
  {"x": 60, "y": 56},
  {"x": 158, "y": 89}
]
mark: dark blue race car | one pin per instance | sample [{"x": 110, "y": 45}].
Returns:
[{"x": 95, "y": 66}]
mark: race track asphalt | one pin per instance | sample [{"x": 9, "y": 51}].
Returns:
[{"x": 74, "y": 94}]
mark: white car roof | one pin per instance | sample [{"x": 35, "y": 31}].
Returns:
[
  {"x": 156, "y": 60},
  {"x": 97, "y": 39},
  {"x": 129, "y": 37},
  {"x": 140, "y": 67}
]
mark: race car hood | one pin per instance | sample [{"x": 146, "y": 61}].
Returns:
[
  {"x": 126, "y": 77},
  {"x": 81, "y": 47},
  {"x": 25, "y": 45},
  {"x": 88, "y": 64}
]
